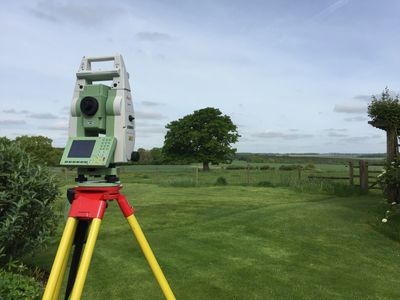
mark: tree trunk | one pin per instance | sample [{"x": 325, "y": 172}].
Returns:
[
  {"x": 391, "y": 191},
  {"x": 206, "y": 167},
  {"x": 391, "y": 146},
  {"x": 363, "y": 175}
]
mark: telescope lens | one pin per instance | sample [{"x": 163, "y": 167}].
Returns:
[{"x": 89, "y": 106}]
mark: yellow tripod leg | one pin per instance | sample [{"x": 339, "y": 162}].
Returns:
[
  {"x": 148, "y": 253},
  {"x": 85, "y": 260},
  {"x": 60, "y": 279},
  {"x": 61, "y": 257}
]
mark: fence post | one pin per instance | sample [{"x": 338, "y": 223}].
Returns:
[
  {"x": 299, "y": 173},
  {"x": 155, "y": 179},
  {"x": 351, "y": 173},
  {"x": 248, "y": 174},
  {"x": 364, "y": 175}
]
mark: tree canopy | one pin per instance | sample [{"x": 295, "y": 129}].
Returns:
[
  {"x": 40, "y": 149},
  {"x": 385, "y": 111},
  {"x": 204, "y": 136}
]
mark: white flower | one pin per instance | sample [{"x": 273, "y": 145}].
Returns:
[
  {"x": 388, "y": 211},
  {"x": 394, "y": 203},
  {"x": 384, "y": 220}
]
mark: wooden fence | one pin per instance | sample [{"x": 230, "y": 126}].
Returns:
[{"x": 367, "y": 177}]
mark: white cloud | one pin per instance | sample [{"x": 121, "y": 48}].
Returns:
[
  {"x": 80, "y": 13},
  {"x": 12, "y": 122},
  {"x": 149, "y": 115},
  {"x": 43, "y": 116},
  {"x": 350, "y": 109},
  {"x": 281, "y": 135},
  {"x": 336, "y": 135},
  {"x": 151, "y": 103},
  {"x": 15, "y": 112},
  {"x": 62, "y": 125},
  {"x": 356, "y": 119},
  {"x": 153, "y": 36}
]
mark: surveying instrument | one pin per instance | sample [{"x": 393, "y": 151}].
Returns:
[{"x": 101, "y": 137}]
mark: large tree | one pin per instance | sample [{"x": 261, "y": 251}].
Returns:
[{"x": 204, "y": 136}]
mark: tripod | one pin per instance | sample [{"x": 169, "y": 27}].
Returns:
[{"x": 84, "y": 218}]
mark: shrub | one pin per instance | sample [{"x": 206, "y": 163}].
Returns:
[
  {"x": 235, "y": 167},
  {"x": 241, "y": 167},
  {"x": 266, "y": 167},
  {"x": 290, "y": 167},
  {"x": 17, "y": 286},
  {"x": 221, "y": 181},
  {"x": 27, "y": 193},
  {"x": 309, "y": 167}
]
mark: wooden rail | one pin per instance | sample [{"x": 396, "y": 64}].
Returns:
[
  {"x": 364, "y": 175},
  {"x": 327, "y": 177}
]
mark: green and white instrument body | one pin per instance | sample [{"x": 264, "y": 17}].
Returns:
[{"x": 102, "y": 119}]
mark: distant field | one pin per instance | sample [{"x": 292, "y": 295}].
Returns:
[{"x": 239, "y": 242}]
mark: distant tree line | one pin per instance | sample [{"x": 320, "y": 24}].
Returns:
[
  {"x": 39, "y": 148},
  {"x": 153, "y": 156},
  {"x": 303, "y": 159}
]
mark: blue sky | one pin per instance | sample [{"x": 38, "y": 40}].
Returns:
[{"x": 295, "y": 76}]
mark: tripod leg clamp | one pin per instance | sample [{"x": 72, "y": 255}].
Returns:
[{"x": 126, "y": 209}]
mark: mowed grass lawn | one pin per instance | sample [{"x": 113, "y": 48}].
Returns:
[{"x": 239, "y": 242}]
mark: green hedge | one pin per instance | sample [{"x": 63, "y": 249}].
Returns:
[
  {"x": 27, "y": 194},
  {"x": 17, "y": 287}
]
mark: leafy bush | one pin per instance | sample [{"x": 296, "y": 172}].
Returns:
[
  {"x": 221, "y": 181},
  {"x": 389, "y": 179},
  {"x": 27, "y": 193},
  {"x": 16, "y": 286}
]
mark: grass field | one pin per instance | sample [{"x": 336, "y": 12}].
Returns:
[
  {"x": 243, "y": 242},
  {"x": 188, "y": 175}
]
